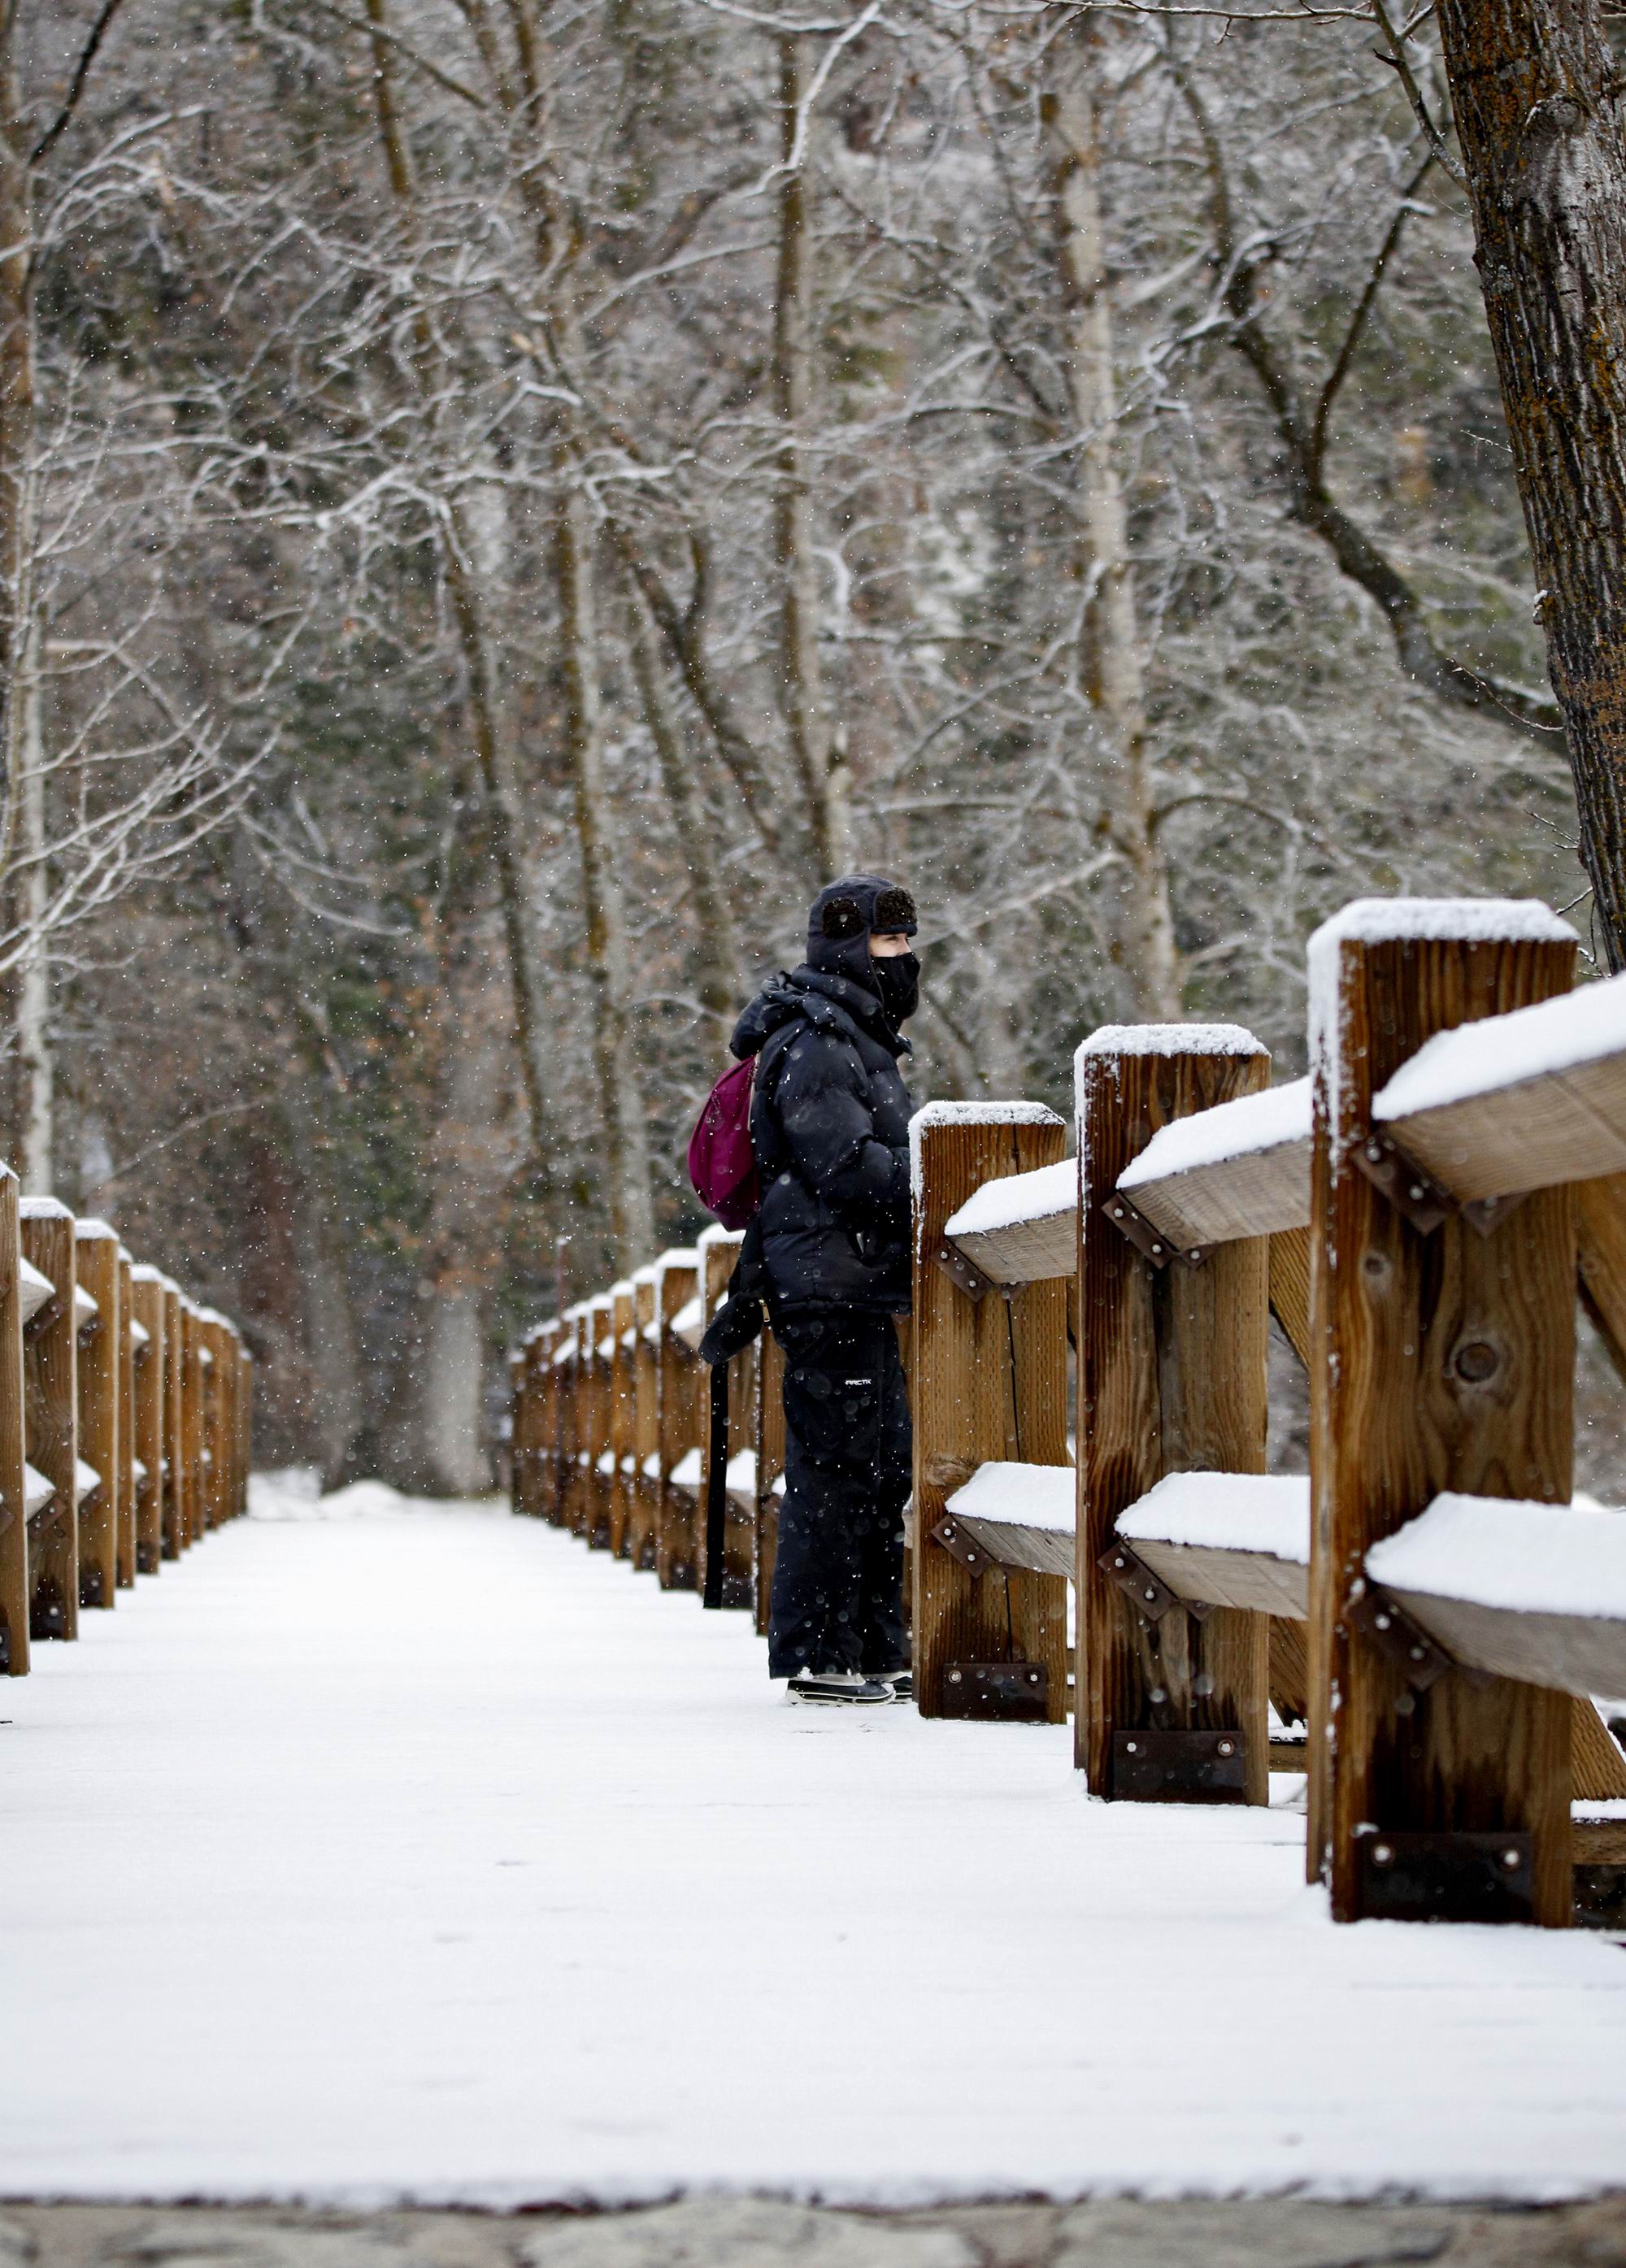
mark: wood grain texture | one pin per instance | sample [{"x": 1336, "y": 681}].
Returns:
[
  {"x": 1172, "y": 1378},
  {"x": 1261, "y": 1193},
  {"x": 680, "y": 1429},
  {"x": 175, "y": 1535},
  {"x": 1438, "y": 1362},
  {"x": 1597, "y": 1767},
  {"x": 988, "y": 1382},
  {"x": 1600, "y": 1222},
  {"x": 1289, "y": 1670},
  {"x": 1574, "y": 1654},
  {"x": 769, "y": 1401},
  {"x": 1042, "y": 1551},
  {"x": 13, "y": 1440},
  {"x": 126, "y": 1361},
  {"x": 600, "y": 1484},
  {"x": 1290, "y": 1288},
  {"x": 1254, "y": 1581},
  {"x": 1564, "y": 1126},
  {"x": 51, "y": 1414},
  {"x": 645, "y": 1505},
  {"x": 621, "y": 1422},
  {"x": 193, "y": 1372},
  {"x": 739, "y": 1518},
  {"x": 1027, "y": 1252},
  {"x": 96, "y": 1260}
]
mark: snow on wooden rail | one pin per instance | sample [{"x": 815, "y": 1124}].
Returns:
[
  {"x": 1018, "y": 1516},
  {"x": 1528, "y": 1100},
  {"x": 1536, "y": 1591},
  {"x": 1021, "y": 1228},
  {"x": 1227, "y": 1539},
  {"x": 1240, "y": 1169}
]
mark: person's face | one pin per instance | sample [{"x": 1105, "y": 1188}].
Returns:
[{"x": 888, "y": 944}]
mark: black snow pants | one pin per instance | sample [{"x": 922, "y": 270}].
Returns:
[{"x": 838, "y": 1598}]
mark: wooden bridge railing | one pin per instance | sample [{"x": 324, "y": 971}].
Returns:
[
  {"x": 124, "y": 1420},
  {"x": 1419, "y": 1215}
]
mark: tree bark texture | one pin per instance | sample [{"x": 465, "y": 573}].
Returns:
[
  {"x": 1141, "y": 922},
  {"x": 632, "y": 1218},
  {"x": 718, "y": 958},
  {"x": 819, "y": 759},
  {"x": 1537, "y": 101}
]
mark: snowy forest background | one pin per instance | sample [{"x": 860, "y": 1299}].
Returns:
[{"x": 516, "y": 490}]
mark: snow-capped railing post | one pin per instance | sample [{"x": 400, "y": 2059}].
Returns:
[
  {"x": 577, "y": 1422},
  {"x": 988, "y": 1384},
  {"x": 13, "y": 1443},
  {"x": 679, "y": 1424},
  {"x": 768, "y": 1441},
  {"x": 1172, "y": 1378},
  {"x": 719, "y": 1251},
  {"x": 601, "y": 1465},
  {"x": 125, "y": 1359},
  {"x": 1442, "y": 1359},
  {"x": 147, "y": 1425},
  {"x": 51, "y": 1365},
  {"x": 621, "y": 1416},
  {"x": 97, "y": 1261},
  {"x": 645, "y": 1506},
  {"x": 175, "y": 1535},
  {"x": 193, "y": 1372}
]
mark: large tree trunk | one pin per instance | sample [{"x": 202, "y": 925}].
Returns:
[
  {"x": 22, "y": 858},
  {"x": 719, "y": 948},
  {"x": 819, "y": 762},
  {"x": 632, "y": 1216},
  {"x": 1537, "y": 98},
  {"x": 1137, "y": 890},
  {"x": 493, "y": 746}
]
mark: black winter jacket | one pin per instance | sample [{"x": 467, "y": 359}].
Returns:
[{"x": 829, "y": 1124}]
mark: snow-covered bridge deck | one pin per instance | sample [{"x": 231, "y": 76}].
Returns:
[{"x": 411, "y": 1852}]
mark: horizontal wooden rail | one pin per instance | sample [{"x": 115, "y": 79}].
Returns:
[
  {"x": 1240, "y": 1169},
  {"x": 1021, "y": 1228}
]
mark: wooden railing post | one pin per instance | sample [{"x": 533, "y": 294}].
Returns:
[
  {"x": 13, "y": 1443},
  {"x": 719, "y": 1250},
  {"x": 680, "y": 1425},
  {"x": 193, "y": 1372},
  {"x": 51, "y": 1397},
  {"x": 127, "y": 1556},
  {"x": 176, "y": 1535},
  {"x": 245, "y": 1423},
  {"x": 1172, "y": 1378},
  {"x": 646, "y": 1508},
  {"x": 148, "y": 1429},
  {"x": 96, "y": 1259},
  {"x": 578, "y": 1387},
  {"x": 989, "y": 1384},
  {"x": 1442, "y": 1359},
  {"x": 622, "y": 1358},
  {"x": 600, "y": 1481}
]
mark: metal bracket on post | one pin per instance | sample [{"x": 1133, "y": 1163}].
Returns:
[
  {"x": 1446, "y": 1877},
  {"x": 1148, "y": 1594},
  {"x": 1413, "y": 1193},
  {"x": 959, "y": 1546},
  {"x": 1421, "y": 1660},
  {"x": 1005, "y": 1691},
  {"x": 961, "y": 1272},
  {"x": 1179, "y": 1766},
  {"x": 1418, "y": 1195},
  {"x": 1150, "y": 1242}
]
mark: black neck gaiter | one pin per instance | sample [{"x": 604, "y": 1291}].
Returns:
[{"x": 896, "y": 977}]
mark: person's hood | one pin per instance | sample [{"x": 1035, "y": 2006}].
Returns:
[
  {"x": 827, "y": 1001},
  {"x": 842, "y": 919}
]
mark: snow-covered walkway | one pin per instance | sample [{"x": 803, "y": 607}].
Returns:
[{"x": 412, "y": 1851}]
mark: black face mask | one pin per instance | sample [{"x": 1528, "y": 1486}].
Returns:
[{"x": 897, "y": 980}]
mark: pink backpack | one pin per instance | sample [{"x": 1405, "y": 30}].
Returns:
[{"x": 722, "y": 1164}]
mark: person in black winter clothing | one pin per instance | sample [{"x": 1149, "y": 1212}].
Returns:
[{"x": 829, "y": 1125}]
